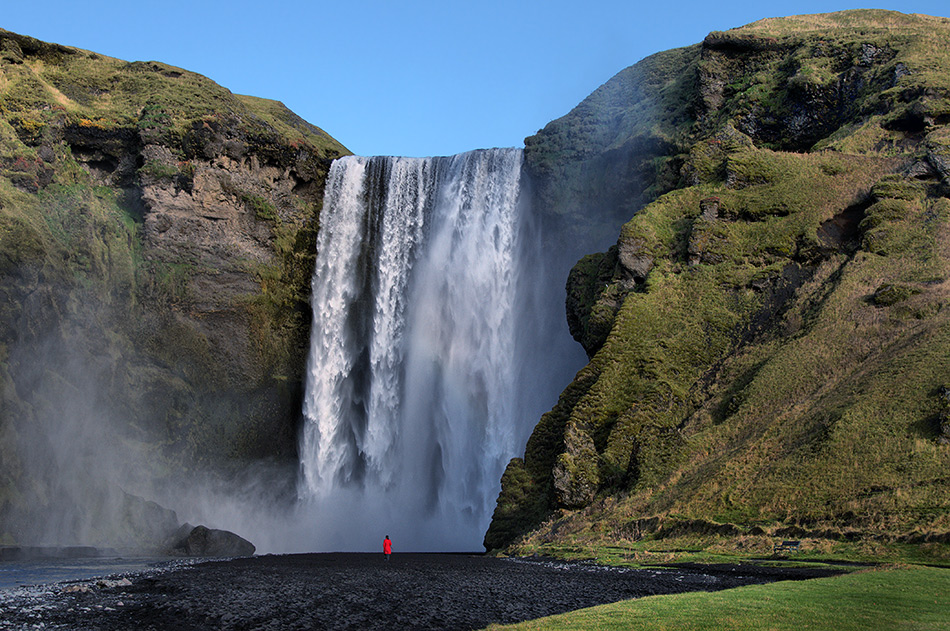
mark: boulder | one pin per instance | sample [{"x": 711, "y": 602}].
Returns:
[{"x": 201, "y": 541}]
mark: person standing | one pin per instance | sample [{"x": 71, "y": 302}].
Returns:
[{"x": 387, "y": 547}]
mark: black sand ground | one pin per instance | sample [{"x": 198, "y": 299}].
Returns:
[{"x": 358, "y": 591}]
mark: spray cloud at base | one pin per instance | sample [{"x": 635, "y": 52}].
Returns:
[{"x": 87, "y": 459}]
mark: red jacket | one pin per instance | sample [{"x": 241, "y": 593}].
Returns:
[{"x": 387, "y": 546}]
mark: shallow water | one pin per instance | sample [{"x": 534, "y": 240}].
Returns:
[{"x": 15, "y": 574}]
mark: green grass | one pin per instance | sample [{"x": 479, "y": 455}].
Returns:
[
  {"x": 626, "y": 549},
  {"x": 897, "y": 597}
]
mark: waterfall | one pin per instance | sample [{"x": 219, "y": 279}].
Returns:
[{"x": 425, "y": 327}]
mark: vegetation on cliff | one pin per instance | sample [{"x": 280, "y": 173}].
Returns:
[
  {"x": 156, "y": 244},
  {"x": 768, "y": 340}
]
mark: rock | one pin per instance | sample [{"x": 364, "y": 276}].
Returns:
[
  {"x": 575, "y": 475},
  {"x": 77, "y": 588},
  {"x": 869, "y": 52},
  {"x": 709, "y": 208},
  {"x": 939, "y": 159},
  {"x": 202, "y": 541},
  {"x": 635, "y": 258},
  {"x": 594, "y": 296},
  {"x": 146, "y": 524},
  {"x": 105, "y": 583}
]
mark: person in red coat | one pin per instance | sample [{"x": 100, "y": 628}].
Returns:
[{"x": 387, "y": 547}]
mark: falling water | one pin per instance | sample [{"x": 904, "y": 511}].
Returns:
[{"x": 425, "y": 298}]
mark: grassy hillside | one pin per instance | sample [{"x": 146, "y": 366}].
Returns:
[
  {"x": 768, "y": 340},
  {"x": 156, "y": 244}
]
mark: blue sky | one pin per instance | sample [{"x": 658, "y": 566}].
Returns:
[{"x": 411, "y": 77}]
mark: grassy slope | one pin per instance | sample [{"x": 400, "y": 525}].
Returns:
[
  {"x": 887, "y": 598},
  {"x": 754, "y": 379},
  {"x": 43, "y": 81}
]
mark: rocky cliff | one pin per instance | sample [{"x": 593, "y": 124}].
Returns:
[
  {"x": 156, "y": 246},
  {"x": 768, "y": 337}
]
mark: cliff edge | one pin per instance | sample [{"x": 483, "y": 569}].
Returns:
[{"x": 156, "y": 246}]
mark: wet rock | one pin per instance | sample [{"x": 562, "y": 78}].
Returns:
[{"x": 202, "y": 541}]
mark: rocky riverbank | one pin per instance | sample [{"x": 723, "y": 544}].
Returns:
[{"x": 356, "y": 591}]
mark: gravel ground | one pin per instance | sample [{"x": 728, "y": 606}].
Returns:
[{"x": 355, "y": 591}]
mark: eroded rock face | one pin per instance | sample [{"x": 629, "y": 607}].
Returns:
[
  {"x": 636, "y": 259},
  {"x": 821, "y": 84},
  {"x": 221, "y": 217},
  {"x": 591, "y": 304},
  {"x": 155, "y": 281},
  {"x": 212, "y": 206},
  {"x": 211, "y": 213}
]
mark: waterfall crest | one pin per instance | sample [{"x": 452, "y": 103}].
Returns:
[{"x": 423, "y": 311}]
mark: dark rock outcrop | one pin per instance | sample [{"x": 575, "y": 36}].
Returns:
[{"x": 201, "y": 541}]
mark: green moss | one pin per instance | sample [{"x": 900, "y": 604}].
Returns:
[
  {"x": 590, "y": 309},
  {"x": 299, "y": 132},
  {"x": 898, "y": 188},
  {"x": 890, "y": 294},
  {"x": 748, "y": 168},
  {"x": 262, "y": 208},
  {"x": 520, "y": 505},
  {"x": 158, "y": 170},
  {"x": 885, "y": 211}
]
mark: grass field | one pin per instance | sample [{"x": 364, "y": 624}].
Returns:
[{"x": 889, "y": 597}]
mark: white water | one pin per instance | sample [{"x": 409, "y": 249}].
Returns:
[{"x": 427, "y": 331}]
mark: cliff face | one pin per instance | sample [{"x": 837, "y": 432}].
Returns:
[
  {"x": 156, "y": 246},
  {"x": 594, "y": 168},
  {"x": 768, "y": 340}
]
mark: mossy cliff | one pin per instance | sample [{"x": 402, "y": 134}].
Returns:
[
  {"x": 768, "y": 339},
  {"x": 156, "y": 245}
]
